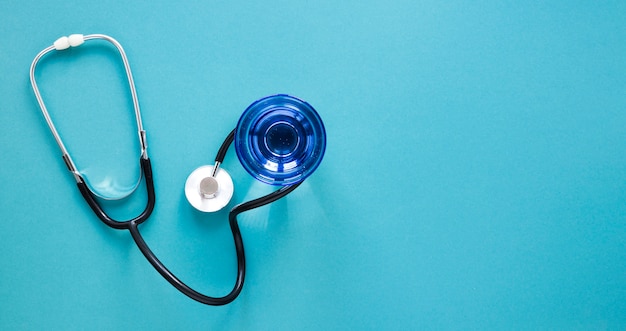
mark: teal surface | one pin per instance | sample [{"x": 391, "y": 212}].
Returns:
[{"x": 474, "y": 178}]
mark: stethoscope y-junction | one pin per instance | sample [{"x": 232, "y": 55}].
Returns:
[{"x": 280, "y": 140}]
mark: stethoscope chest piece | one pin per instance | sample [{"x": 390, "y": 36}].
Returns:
[{"x": 208, "y": 192}]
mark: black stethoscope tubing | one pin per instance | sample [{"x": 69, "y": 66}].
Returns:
[{"x": 133, "y": 226}]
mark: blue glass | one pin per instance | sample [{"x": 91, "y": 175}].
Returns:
[{"x": 280, "y": 140}]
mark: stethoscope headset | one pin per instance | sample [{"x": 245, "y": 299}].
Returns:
[{"x": 280, "y": 140}]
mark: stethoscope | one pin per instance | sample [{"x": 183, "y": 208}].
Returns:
[{"x": 279, "y": 140}]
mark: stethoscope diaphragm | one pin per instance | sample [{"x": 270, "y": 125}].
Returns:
[{"x": 207, "y": 192}]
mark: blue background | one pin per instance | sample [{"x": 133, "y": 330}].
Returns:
[{"x": 474, "y": 178}]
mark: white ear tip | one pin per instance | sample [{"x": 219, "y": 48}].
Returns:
[
  {"x": 62, "y": 43},
  {"x": 76, "y": 40}
]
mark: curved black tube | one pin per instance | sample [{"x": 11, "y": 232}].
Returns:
[
  {"x": 146, "y": 168},
  {"x": 182, "y": 287},
  {"x": 234, "y": 227},
  {"x": 241, "y": 259},
  {"x": 221, "y": 153},
  {"x": 262, "y": 201},
  {"x": 133, "y": 226}
]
